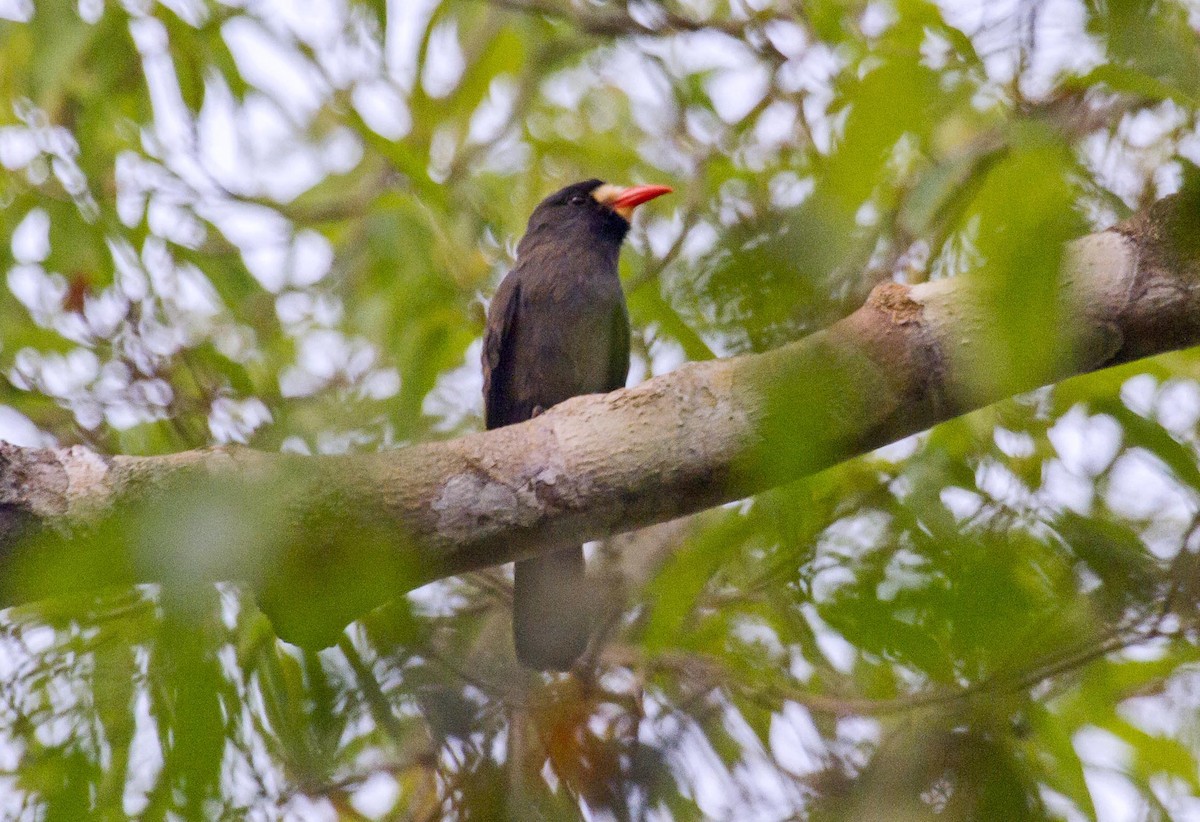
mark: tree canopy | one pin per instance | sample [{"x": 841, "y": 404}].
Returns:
[{"x": 276, "y": 224}]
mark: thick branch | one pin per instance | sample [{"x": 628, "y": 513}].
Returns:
[{"x": 599, "y": 465}]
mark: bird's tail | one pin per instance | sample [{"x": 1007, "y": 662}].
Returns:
[{"x": 551, "y": 610}]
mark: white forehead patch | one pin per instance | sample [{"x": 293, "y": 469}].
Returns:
[{"x": 607, "y": 193}]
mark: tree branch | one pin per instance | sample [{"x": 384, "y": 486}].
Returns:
[{"x": 706, "y": 434}]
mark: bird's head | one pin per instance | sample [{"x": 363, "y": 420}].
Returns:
[{"x": 590, "y": 210}]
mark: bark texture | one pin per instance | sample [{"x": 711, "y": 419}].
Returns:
[{"x": 604, "y": 464}]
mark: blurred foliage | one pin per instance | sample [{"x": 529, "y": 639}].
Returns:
[{"x": 275, "y": 223}]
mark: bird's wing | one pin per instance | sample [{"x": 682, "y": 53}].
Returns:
[
  {"x": 618, "y": 354},
  {"x": 497, "y": 349}
]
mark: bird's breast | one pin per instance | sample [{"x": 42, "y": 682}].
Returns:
[{"x": 565, "y": 339}]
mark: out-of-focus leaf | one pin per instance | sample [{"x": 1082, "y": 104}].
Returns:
[
  {"x": 1144, "y": 433},
  {"x": 377, "y": 9},
  {"x": 1154, "y": 754},
  {"x": 1151, "y": 39},
  {"x": 1132, "y": 81},
  {"x": 648, "y": 308},
  {"x": 770, "y": 278},
  {"x": 189, "y": 709},
  {"x": 1052, "y": 750},
  {"x": 674, "y": 593},
  {"x": 1017, "y": 227},
  {"x": 945, "y": 190},
  {"x": 1115, "y": 553},
  {"x": 60, "y": 37}
]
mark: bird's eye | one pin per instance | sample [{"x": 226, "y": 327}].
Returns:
[{"x": 578, "y": 199}]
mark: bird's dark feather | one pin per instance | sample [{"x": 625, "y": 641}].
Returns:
[
  {"x": 619, "y": 349},
  {"x": 498, "y": 337},
  {"x": 557, "y": 327}
]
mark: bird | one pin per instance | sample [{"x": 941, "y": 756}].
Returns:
[{"x": 558, "y": 327}]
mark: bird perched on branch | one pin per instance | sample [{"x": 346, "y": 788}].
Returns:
[{"x": 558, "y": 327}]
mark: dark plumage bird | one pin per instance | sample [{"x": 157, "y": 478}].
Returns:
[{"x": 557, "y": 328}]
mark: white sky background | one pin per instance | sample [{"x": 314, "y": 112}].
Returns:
[{"x": 252, "y": 151}]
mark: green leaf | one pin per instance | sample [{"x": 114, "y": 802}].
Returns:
[
  {"x": 1143, "y": 433},
  {"x": 1051, "y": 749},
  {"x": 1132, "y": 81},
  {"x": 60, "y": 38},
  {"x": 1154, "y": 755}
]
